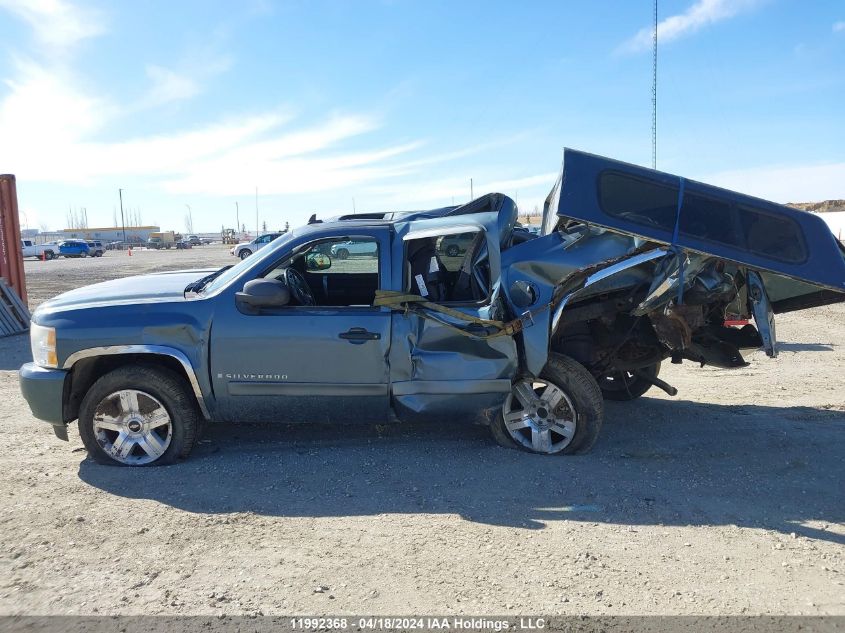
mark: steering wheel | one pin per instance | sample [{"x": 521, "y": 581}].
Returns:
[{"x": 299, "y": 287}]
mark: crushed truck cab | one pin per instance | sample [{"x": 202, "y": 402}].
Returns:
[{"x": 453, "y": 313}]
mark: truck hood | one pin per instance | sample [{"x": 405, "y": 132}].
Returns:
[{"x": 155, "y": 288}]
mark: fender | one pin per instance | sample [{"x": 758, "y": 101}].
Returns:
[{"x": 156, "y": 350}]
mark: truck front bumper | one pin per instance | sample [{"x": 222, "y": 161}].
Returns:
[{"x": 43, "y": 390}]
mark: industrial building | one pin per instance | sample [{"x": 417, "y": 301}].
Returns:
[{"x": 134, "y": 234}]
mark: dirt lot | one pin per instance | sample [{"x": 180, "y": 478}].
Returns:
[{"x": 726, "y": 499}]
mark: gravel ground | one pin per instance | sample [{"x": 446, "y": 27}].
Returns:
[{"x": 726, "y": 499}]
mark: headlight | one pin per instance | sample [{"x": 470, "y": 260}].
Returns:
[{"x": 43, "y": 342}]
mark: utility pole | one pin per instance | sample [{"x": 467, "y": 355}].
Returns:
[
  {"x": 654, "y": 94},
  {"x": 471, "y": 194},
  {"x": 237, "y": 218},
  {"x": 122, "y": 220}
]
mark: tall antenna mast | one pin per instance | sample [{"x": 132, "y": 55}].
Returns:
[{"x": 654, "y": 94}]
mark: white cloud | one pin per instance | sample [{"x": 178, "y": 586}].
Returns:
[
  {"x": 702, "y": 13},
  {"x": 530, "y": 190},
  {"x": 48, "y": 126},
  {"x": 839, "y": 27},
  {"x": 56, "y": 24},
  {"x": 168, "y": 85},
  {"x": 51, "y": 124},
  {"x": 786, "y": 183},
  {"x": 43, "y": 107}
]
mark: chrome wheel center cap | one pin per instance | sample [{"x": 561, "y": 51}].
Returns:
[{"x": 134, "y": 426}]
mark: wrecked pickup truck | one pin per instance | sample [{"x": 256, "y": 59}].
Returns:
[{"x": 526, "y": 333}]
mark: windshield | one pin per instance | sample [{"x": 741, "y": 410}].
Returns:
[{"x": 235, "y": 271}]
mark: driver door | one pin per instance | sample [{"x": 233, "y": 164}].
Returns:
[{"x": 309, "y": 363}]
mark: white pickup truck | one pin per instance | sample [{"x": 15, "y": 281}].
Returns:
[{"x": 41, "y": 251}]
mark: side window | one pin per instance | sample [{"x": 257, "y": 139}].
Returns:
[
  {"x": 354, "y": 256},
  {"x": 773, "y": 236},
  {"x": 339, "y": 271},
  {"x": 451, "y": 268},
  {"x": 708, "y": 219},
  {"x": 452, "y": 249},
  {"x": 639, "y": 201}
]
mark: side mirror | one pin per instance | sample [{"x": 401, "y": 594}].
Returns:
[
  {"x": 317, "y": 261},
  {"x": 263, "y": 293}
]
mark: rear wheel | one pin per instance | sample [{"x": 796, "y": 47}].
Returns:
[
  {"x": 626, "y": 385},
  {"x": 48, "y": 255},
  {"x": 560, "y": 412},
  {"x": 138, "y": 416},
  {"x": 245, "y": 253},
  {"x": 84, "y": 254},
  {"x": 342, "y": 253},
  {"x": 452, "y": 250}
]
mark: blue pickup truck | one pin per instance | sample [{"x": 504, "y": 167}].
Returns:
[{"x": 525, "y": 333}]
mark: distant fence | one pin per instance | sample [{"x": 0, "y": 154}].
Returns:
[{"x": 11, "y": 257}]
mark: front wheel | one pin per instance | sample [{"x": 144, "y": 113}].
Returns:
[
  {"x": 48, "y": 255},
  {"x": 83, "y": 254},
  {"x": 625, "y": 385},
  {"x": 342, "y": 253},
  {"x": 138, "y": 416},
  {"x": 245, "y": 253},
  {"x": 560, "y": 412},
  {"x": 453, "y": 250}
]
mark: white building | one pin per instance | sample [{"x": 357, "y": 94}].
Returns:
[{"x": 134, "y": 234}]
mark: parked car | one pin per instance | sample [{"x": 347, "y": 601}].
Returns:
[
  {"x": 74, "y": 248},
  {"x": 246, "y": 249},
  {"x": 633, "y": 267},
  {"x": 183, "y": 244},
  {"x": 95, "y": 248},
  {"x": 344, "y": 250},
  {"x": 194, "y": 240},
  {"x": 454, "y": 245},
  {"x": 42, "y": 251}
]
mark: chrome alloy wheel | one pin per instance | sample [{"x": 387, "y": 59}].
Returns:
[
  {"x": 132, "y": 427},
  {"x": 539, "y": 416}
]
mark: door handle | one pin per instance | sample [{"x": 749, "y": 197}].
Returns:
[{"x": 359, "y": 335}]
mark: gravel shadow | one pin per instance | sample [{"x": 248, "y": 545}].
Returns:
[{"x": 658, "y": 462}]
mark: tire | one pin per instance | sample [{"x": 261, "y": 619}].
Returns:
[
  {"x": 452, "y": 250},
  {"x": 342, "y": 253},
  {"x": 245, "y": 253},
  {"x": 48, "y": 255},
  {"x": 156, "y": 389},
  {"x": 625, "y": 386},
  {"x": 580, "y": 411},
  {"x": 83, "y": 254}
]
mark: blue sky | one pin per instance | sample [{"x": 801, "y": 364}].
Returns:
[{"x": 398, "y": 103}]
